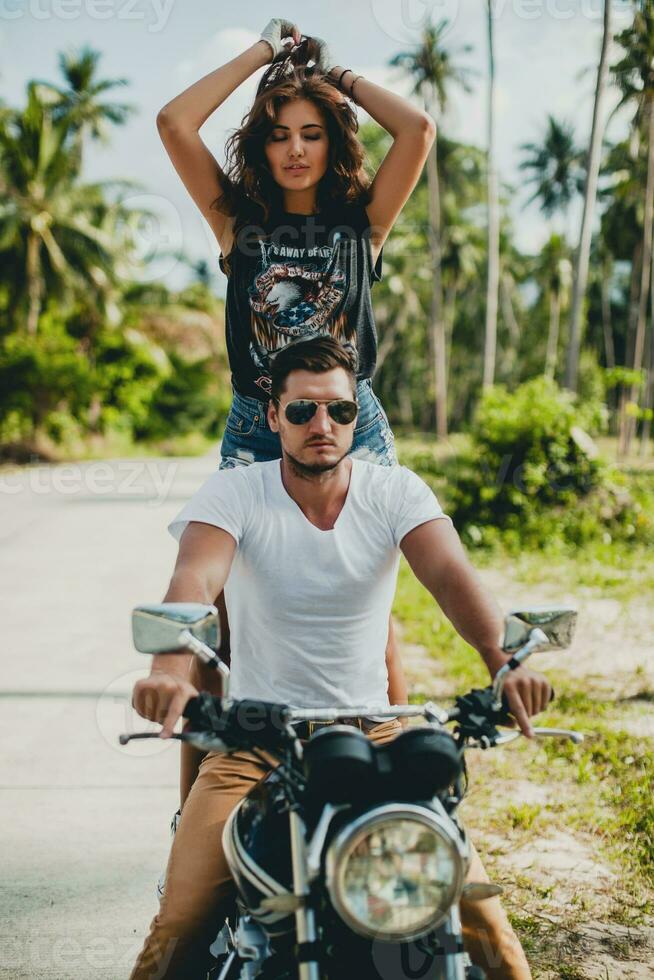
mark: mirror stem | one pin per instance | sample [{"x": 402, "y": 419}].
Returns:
[
  {"x": 536, "y": 640},
  {"x": 207, "y": 656}
]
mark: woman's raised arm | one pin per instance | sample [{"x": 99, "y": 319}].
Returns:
[
  {"x": 413, "y": 133},
  {"x": 192, "y": 107},
  {"x": 179, "y": 121}
]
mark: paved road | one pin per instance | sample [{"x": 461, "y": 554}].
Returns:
[{"x": 85, "y": 822}]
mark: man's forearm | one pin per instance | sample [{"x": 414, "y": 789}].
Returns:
[
  {"x": 473, "y": 613},
  {"x": 185, "y": 586},
  {"x": 439, "y": 561}
]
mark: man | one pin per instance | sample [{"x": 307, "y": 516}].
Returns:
[{"x": 307, "y": 549}]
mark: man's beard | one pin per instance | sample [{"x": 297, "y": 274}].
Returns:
[{"x": 313, "y": 469}]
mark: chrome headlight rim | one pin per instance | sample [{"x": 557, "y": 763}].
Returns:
[{"x": 335, "y": 863}]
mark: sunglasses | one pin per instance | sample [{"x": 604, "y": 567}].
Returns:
[{"x": 302, "y": 410}]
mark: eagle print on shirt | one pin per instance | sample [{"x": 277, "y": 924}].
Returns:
[{"x": 298, "y": 293}]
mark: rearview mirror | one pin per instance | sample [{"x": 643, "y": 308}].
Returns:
[
  {"x": 157, "y": 628},
  {"x": 556, "y": 622}
]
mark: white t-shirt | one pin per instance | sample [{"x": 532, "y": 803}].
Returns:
[{"x": 309, "y": 609}]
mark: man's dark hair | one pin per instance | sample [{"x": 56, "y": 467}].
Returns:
[{"x": 317, "y": 355}]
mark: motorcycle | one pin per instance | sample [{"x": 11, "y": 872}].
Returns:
[{"x": 348, "y": 857}]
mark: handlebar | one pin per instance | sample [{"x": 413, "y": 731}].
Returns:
[{"x": 224, "y": 724}]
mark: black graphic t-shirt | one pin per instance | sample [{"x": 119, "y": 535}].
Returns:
[{"x": 308, "y": 275}]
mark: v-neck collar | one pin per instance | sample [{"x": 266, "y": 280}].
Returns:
[{"x": 344, "y": 508}]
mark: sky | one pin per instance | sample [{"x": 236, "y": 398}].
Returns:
[{"x": 546, "y": 58}]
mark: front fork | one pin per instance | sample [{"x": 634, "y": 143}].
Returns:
[
  {"x": 457, "y": 961},
  {"x": 305, "y": 916}
]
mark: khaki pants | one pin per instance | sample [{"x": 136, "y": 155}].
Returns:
[{"x": 198, "y": 881}]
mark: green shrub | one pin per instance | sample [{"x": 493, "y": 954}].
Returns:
[
  {"x": 42, "y": 379},
  {"x": 187, "y": 400},
  {"x": 529, "y": 450},
  {"x": 128, "y": 370},
  {"x": 532, "y": 476}
]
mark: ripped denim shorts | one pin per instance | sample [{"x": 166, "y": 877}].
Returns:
[{"x": 249, "y": 439}]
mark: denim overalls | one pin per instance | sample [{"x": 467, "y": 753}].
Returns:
[{"x": 248, "y": 438}]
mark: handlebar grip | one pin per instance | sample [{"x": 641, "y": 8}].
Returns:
[
  {"x": 504, "y": 717},
  {"x": 203, "y": 712},
  {"x": 244, "y": 722},
  {"x": 191, "y": 707}
]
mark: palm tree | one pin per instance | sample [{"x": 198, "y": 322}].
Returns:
[
  {"x": 79, "y": 103},
  {"x": 433, "y": 72},
  {"x": 60, "y": 237},
  {"x": 463, "y": 260},
  {"x": 583, "y": 251},
  {"x": 634, "y": 74},
  {"x": 554, "y": 167},
  {"x": 621, "y": 229},
  {"x": 493, "y": 274},
  {"x": 553, "y": 270},
  {"x": 601, "y": 268},
  {"x": 514, "y": 270}
]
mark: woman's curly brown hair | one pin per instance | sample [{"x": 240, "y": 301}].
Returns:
[{"x": 250, "y": 194}]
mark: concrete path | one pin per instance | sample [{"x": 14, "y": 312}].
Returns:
[{"x": 85, "y": 821}]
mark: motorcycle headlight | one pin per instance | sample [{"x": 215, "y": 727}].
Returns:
[{"x": 394, "y": 873}]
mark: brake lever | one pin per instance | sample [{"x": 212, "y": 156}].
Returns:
[
  {"x": 204, "y": 741},
  {"x": 506, "y": 737}
]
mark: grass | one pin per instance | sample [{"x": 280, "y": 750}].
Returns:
[
  {"x": 616, "y": 563},
  {"x": 599, "y": 794},
  {"x": 620, "y": 570},
  {"x": 618, "y": 764}
]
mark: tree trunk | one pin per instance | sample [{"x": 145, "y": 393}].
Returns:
[
  {"x": 508, "y": 312},
  {"x": 390, "y": 336},
  {"x": 648, "y": 398},
  {"x": 646, "y": 273},
  {"x": 33, "y": 283},
  {"x": 583, "y": 252},
  {"x": 607, "y": 327},
  {"x": 448, "y": 315},
  {"x": 493, "y": 277},
  {"x": 553, "y": 333},
  {"x": 634, "y": 280},
  {"x": 512, "y": 325},
  {"x": 436, "y": 323},
  {"x": 404, "y": 405}
]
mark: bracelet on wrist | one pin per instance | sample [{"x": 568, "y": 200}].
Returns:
[
  {"x": 345, "y": 70},
  {"x": 352, "y": 96}
]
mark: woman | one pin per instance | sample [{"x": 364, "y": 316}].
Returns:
[{"x": 301, "y": 230}]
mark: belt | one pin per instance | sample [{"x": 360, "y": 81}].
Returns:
[{"x": 305, "y": 729}]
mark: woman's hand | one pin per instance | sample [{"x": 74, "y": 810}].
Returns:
[
  {"x": 275, "y": 30},
  {"x": 326, "y": 61}
]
